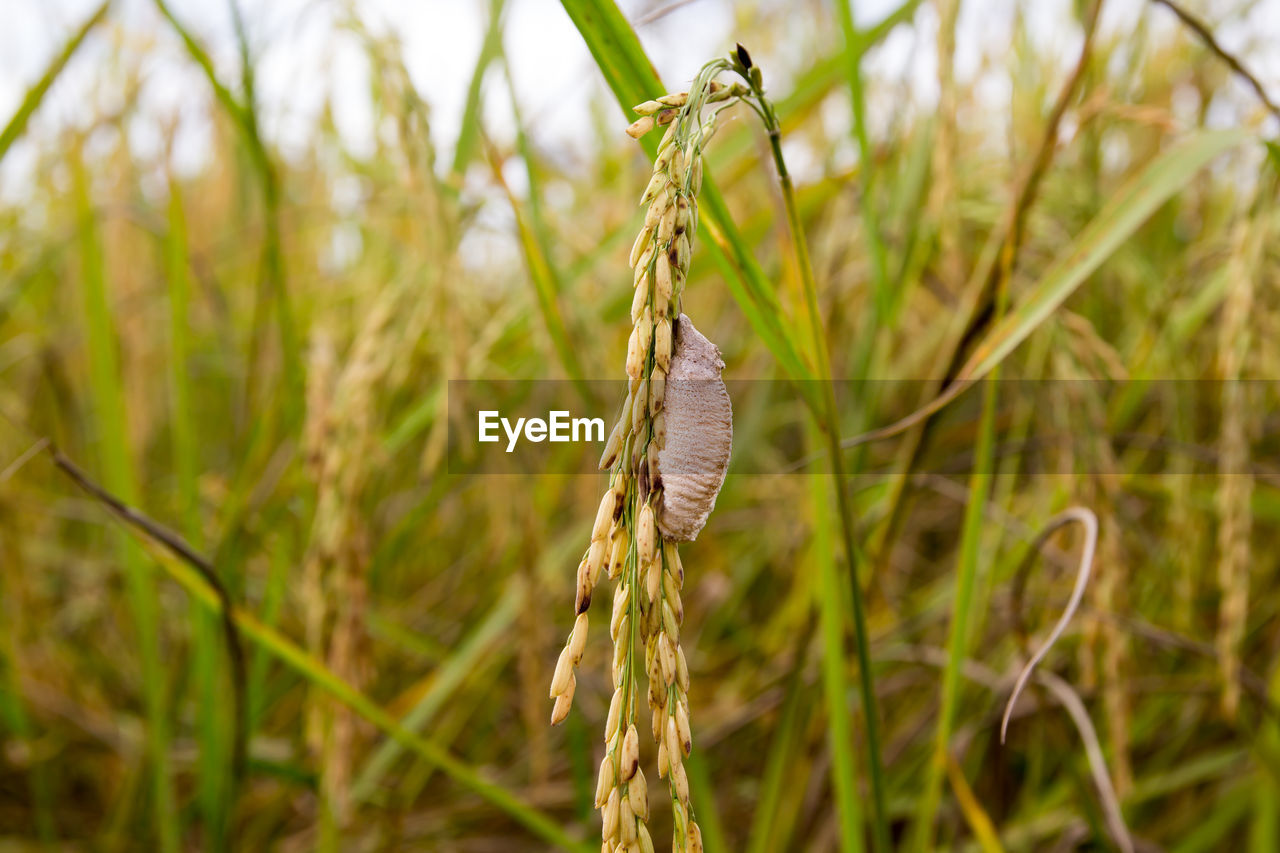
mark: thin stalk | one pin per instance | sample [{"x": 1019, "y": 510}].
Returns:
[
  {"x": 1264, "y": 823},
  {"x": 196, "y": 575},
  {"x": 853, "y": 40},
  {"x": 14, "y": 716},
  {"x": 535, "y": 239},
  {"x": 702, "y": 790},
  {"x": 444, "y": 681},
  {"x": 31, "y": 100},
  {"x": 546, "y": 285},
  {"x": 829, "y": 423},
  {"x": 115, "y": 459},
  {"x": 215, "y": 795},
  {"x": 292, "y": 656},
  {"x": 273, "y": 284},
  {"x": 630, "y": 75},
  {"x": 765, "y": 832},
  {"x": 958, "y": 642},
  {"x": 967, "y": 575},
  {"x": 274, "y": 281},
  {"x": 272, "y": 600},
  {"x": 469, "y": 135},
  {"x": 839, "y": 735}
]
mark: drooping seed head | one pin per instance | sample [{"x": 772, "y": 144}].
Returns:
[{"x": 644, "y": 449}]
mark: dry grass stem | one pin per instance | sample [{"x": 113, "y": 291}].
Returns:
[
  {"x": 1235, "y": 483},
  {"x": 1086, "y": 518}
]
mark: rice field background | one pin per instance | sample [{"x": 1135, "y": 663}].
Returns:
[{"x": 235, "y": 286}]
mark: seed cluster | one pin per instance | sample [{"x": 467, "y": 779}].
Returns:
[{"x": 625, "y": 539}]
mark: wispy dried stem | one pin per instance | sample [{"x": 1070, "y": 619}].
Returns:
[
  {"x": 1205, "y": 35},
  {"x": 1086, "y": 518},
  {"x": 179, "y": 547}
]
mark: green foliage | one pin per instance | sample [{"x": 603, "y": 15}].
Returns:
[{"x": 200, "y": 345}]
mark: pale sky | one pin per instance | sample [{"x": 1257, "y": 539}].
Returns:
[{"x": 304, "y": 54}]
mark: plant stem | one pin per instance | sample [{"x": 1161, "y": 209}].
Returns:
[
  {"x": 958, "y": 642},
  {"x": 215, "y": 784},
  {"x": 111, "y": 433},
  {"x": 882, "y": 305},
  {"x": 829, "y": 423},
  {"x": 35, "y": 95},
  {"x": 829, "y": 597},
  {"x": 194, "y": 573}
]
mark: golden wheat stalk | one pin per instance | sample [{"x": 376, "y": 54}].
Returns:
[{"x": 1235, "y": 489}]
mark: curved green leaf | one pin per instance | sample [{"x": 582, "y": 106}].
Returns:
[{"x": 1124, "y": 213}]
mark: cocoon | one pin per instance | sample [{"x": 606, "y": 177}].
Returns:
[{"x": 699, "y": 435}]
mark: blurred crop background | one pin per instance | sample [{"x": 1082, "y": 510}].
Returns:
[{"x": 244, "y": 250}]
